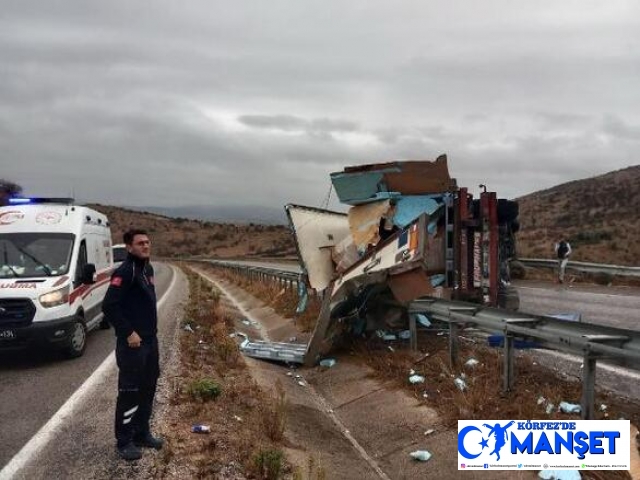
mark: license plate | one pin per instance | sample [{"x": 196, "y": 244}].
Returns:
[{"x": 7, "y": 334}]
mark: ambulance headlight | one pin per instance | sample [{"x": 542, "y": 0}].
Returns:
[{"x": 55, "y": 298}]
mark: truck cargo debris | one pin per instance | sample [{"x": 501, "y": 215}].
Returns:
[{"x": 409, "y": 232}]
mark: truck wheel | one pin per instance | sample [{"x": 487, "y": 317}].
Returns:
[
  {"x": 78, "y": 340},
  {"x": 509, "y": 299}
]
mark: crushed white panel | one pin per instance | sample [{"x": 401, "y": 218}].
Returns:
[{"x": 317, "y": 232}]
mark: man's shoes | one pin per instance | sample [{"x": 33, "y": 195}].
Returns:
[
  {"x": 130, "y": 452},
  {"x": 148, "y": 441}
]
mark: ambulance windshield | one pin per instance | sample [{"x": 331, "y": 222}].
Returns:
[{"x": 32, "y": 255}]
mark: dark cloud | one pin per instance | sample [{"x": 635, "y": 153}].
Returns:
[{"x": 135, "y": 103}]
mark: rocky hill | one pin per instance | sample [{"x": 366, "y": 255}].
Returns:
[
  {"x": 177, "y": 237},
  {"x": 600, "y": 216}
]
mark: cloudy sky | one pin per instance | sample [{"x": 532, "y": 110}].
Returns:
[{"x": 165, "y": 103}]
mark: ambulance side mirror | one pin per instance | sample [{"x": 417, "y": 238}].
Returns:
[{"x": 88, "y": 274}]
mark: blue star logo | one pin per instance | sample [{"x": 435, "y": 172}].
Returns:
[{"x": 484, "y": 443}]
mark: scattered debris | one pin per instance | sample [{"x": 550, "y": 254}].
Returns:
[
  {"x": 472, "y": 362},
  {"x": 327, "y": 362},
  {"x": 424, "y": 357},
  {"x": 391, "y": 349},
  {"x": 420, "y": 455},
  {"x": 405, "y": 335},
  {"x": 246, "y": 322},
  {"x": 237, "y": 418},
  {"x": 548, "y": 405},
  {"x": 461, "y": 384},
  {"x": 603, "y": 407},
  {"x": 429, "y": 432},
  {"x": 188, "y": 328},
  {"x": 422, "y": 320},
  {"x": 301, "y": 383},
  {"x": 201, "y": 429},
  {"x": 559, "y": 475},
  {"x": 567, "y": 407},
  {"x": 386, "y": 336},
  {"x": 413, "y": 379},
  {"x": 293, "y": 339}
]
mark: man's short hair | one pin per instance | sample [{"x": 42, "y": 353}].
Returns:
[{"x": 131, "y": 233}]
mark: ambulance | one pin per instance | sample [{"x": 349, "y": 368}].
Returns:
[{"x": 55, "y": 265}]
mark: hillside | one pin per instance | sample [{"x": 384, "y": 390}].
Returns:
[
  {"x": 600, "y": 216},
  {"x": 175, "y": 237}
]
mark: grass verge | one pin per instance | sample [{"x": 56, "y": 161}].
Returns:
[
  {"x": 536, "y": 387},
  {"x": 213, "y": 387}
]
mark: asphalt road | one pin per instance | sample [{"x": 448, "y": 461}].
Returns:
[
  {"x": 615, "y": 307},
  {"x": 34, "y": 385}
]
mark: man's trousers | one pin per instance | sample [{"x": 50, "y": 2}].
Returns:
[{"x": 137, "y": 380}]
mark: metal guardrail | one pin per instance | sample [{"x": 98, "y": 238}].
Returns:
[
  {"x": 591, "y": 341},
  {"x": 583, "y": 267},
  {"x": 285, "y": 278}
]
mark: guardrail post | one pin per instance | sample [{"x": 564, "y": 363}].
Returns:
[
  {"x": 588, "y": 386},
  {"x": 453, "y": 344},
  {"x": 508, "y": 368}
]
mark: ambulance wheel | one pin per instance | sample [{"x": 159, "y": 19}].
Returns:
[{"x": 78, "y": 339}]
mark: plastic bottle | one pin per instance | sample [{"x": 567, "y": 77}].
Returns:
[{"x": 200, "y": 428}]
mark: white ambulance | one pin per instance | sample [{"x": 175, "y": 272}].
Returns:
[{"x": 55, "y": 266}]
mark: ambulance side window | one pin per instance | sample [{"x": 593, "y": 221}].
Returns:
[{"x": 82, "y": 261}]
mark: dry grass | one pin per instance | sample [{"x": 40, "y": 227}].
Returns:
[
  {"x": 483, "y": 398},
  {"x": 245, "y": 421},
  {"x": 599, "y": 216},
  {"x": 180, "y": 237},
  {"x": 574, "y": 277},
  {"x": 283, "y": 300}
]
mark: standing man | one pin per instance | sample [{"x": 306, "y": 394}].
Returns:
[
  {"x": 130, "y": 306},
  {"x": 563, "y": 250}
]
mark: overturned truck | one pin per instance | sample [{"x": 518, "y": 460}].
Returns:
[{"x": 409, "y": 232}]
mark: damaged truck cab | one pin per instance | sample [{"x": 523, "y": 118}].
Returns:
[{"x": 410, "y": 232}]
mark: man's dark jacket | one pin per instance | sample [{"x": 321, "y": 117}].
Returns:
[{"x": 130, "y": 302}]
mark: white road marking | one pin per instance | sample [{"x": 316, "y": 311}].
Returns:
[{"x": 48, "y": 431}]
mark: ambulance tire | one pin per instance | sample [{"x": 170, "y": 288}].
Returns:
[{"x": 78, "y": 340}]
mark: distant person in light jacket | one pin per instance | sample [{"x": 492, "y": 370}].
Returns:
[{"x": 563, "y": 251}]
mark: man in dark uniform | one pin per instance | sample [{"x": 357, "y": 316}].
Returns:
[{"x": 130, "y": 306}]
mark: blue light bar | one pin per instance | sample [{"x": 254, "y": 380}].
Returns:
[{"x": 39, "y": 200}]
